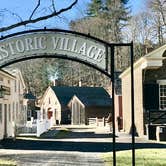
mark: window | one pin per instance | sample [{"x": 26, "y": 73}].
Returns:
[
  {"x": 0, "y": 113},
  {"x": 13, "y": 111},
  {"x": 5, "y": 114},
  {"x": 1, "y": 92},
  {"x": 17, "y": 110},
  {"x": 162, "y": 96},
  {"x": 19, "y": 87},
  {"x": 9, "y": 113},
  {"x": 15, "y": 85},
  {"x": 1, "y": 78},
  {"x": 44, "y": 112},
  {"x": 28, "y": 113}
]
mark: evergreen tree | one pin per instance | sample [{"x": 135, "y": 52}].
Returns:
[
  {"x": 95, "y": 8},
  {"x": 105, "y": 20},
  {"x": 117, "y": 14}
]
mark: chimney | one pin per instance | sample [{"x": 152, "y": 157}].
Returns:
[
  {"x": 57, "y": 82},
  {"x": 79, "y": 84},
  {"x": 54, "y": 83}
]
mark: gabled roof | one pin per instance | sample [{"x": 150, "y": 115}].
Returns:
[
  {"x": 151, "y": 60},
  {"x": 88, "y": 95},
  {"x": 17, "y": 73},
  {"x": 97, "y": 101},
  {"x": 7, "y": 74},
  {"x": 29, "y": 96}
]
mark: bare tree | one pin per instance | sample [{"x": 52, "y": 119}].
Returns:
[
  {"x": 32, "y": 19},
  {"x": 158, "y": 10},
  {"x": 39, "y": 80},
  {"x": 159, "y": 7}
]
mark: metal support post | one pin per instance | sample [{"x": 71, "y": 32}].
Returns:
[{"x": 113, "y": 105}]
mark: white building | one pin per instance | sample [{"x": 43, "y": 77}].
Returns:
[
  {"x": 18, "y": 98},
  {"x": 55, "y": 103},
  {"x": 12, "y": 108},
  {"x": 50, "y": 107},
  {"x": 149, "y": 92}
]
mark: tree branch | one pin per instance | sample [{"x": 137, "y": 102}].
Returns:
[
  {"x": 38, "y": 4},
  {"x": 53, "y": 6},
  {"x": 12, "y": 13},
  {"x": 161, "y": 9},
  {"x": 23, "y": 23}
]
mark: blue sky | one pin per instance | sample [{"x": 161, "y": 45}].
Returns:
[
  {"x": 138, "y": 5},
  {"x": 24, "y": 7}
]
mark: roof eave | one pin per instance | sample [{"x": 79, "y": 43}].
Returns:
[{"x": 151, "y": 60}]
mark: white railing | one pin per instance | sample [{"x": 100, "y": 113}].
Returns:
[
  {"x": 36, "y": 127},
  {"x": 92, "y": 121},
  {"x": 43, "y": 126},
  {"x": 101, "y": 122},
  {"x": 96, "y": 122},
  {"x": 26, "y": 129}
]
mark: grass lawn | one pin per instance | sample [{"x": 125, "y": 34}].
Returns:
[
  {"x": 62, "y": 133},
  {"x": 144, "y": 157},
  {"x": 4, "y": 162}
]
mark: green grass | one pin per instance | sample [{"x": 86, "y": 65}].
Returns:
[
  {"x": 62, "y": 133},
  {"x": 5, "y": 162},
  {"x": 144, "y": 157}
]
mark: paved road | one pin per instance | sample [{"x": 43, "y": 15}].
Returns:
[
  {"x": 80, "y": 147},
  {"x": 47, "y": 158},
  {"x": 65, "y": 151}
]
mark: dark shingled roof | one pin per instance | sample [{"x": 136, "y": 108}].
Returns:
[
  {"x": 29, "y": 96},
  {"x": 97, "y": 101},
  {"x": 90, "y": 96}
]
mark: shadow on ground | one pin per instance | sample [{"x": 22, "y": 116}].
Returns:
[
  {"x": 51, "y": 134},
  {"x": 72, "y": 146}
]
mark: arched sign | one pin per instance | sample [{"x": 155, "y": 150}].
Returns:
[
  {"x": 68, "y": 45},
  {"x": 62, "y": 43}
]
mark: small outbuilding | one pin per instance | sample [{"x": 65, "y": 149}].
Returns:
[
  {"x": 56, "y": 103},
  {"x": 94, "y": 104}
]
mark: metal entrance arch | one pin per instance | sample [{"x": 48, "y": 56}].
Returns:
[{"x": 65, "y": 44}]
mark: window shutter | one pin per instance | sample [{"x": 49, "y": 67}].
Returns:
[{"x": 151, "y": 96}]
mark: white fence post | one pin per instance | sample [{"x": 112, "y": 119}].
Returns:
[{"x": 38, "y": 130}]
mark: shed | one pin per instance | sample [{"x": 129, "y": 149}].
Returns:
[
  {"x": 58, "y": 97},
  {"x": 89, "y": 106}
]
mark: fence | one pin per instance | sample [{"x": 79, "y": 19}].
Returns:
[
  {"x": 42, "y": 126},
  {"x": 34, "y": 127},
  {"x": 92, "y": 121},
  {"x": 26, "y": 129},
  {"x": 97, "y": 122}
]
